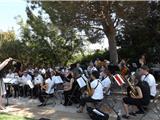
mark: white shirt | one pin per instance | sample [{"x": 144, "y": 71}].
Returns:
[
  {"x": 26, "y": 78},
  {"x": 152, "y": 83},
  {"x": 106, "y": 82},
  {"x": 38, "y": 79},
  {"x": 10, "y": 75},
  {"x": 91, "y": 69},
  {"x": 50, "y": 83},
  {"x": 42, "y": 71},
  {"x": 98, "y": 89}
]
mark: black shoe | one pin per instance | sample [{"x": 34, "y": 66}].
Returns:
[
  {"x": 43, "y": 104},
  {"x": 40, "y": 105},
  {"x": 140, "y": 112},
  {"x": 125, "y": 117},
  {"x": 132, "y": 113}
]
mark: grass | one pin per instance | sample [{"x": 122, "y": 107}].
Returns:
[{"x": 5, "y": 116}]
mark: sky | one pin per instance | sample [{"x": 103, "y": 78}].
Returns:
[{"x": 9, "y": 9}]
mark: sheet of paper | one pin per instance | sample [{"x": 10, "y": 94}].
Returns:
[{"x": 81, "y": 82}]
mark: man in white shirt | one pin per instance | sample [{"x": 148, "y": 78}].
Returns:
[
  {"x": 97, "y": 91},
  {"x": 10, "y": 74},
  {"x": 26, "y": 78},
  {"x": 38, "y": 80},
  {"x": 106, "y": 82},
  {"x": 149, "y": 78}
]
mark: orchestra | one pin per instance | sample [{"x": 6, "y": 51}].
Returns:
[{"x": 79, "y": 85}]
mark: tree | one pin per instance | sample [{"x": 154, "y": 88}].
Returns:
[
  {"x": 141, "y": 35},
  {"x": 7, "y": 36},
  {"x": 92, "y": 19},
  {"x": 47, "y": 44}
]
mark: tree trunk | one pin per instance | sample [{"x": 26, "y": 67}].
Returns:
[
  {"x": 112, "y": 48},
  {"x": 110, "y": 32}
]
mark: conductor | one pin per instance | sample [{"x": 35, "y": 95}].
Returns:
[{"x": 2, "y": 87}]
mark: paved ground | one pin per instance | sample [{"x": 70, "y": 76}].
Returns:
[{"x": 28, "y": 108}]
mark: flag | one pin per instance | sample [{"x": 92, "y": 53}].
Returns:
[{"x": 118, "y": 78}]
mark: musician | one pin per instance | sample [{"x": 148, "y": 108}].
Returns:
[
  {"x": 2, "y": 87},
  {"x": 91, "y": 68},
  {"x": 106, "y": 82},
  {"x": 123, "y": 68},
  {"x": 38, "y": 80},
  {"x": 46, "y": 89},
  {"x": 141, "y": 98},
  {"x": 79, "y": 68},
  {"x": 97, "y": 91},
  {"x": 11, "y": 76},
  {"x": 149, "y": 78},
  {"x": 68, "y": 88},
  {"x": 26, "y": 88}
]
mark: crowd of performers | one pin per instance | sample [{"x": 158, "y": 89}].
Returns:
[{"x": 83, "y": 84}]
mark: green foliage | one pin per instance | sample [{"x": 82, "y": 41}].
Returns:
[
  {"x": 50, "y": 44},
  {"x": 92, "y": 57},
  {"x": 141, "y": 35},
  {"x": 92, "y": 20},
  {"x": 5, "y": 116}
]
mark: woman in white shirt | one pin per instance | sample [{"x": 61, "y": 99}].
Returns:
[
  {"x": 47, "y": 89},
  {"x": 97, "y": 91}
]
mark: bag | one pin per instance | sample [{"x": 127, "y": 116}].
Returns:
[{"x": 96, "y": 114}]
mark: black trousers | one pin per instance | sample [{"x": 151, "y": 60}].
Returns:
[
  {"x": 36, "y": 90},
  {"x": 87, "y": 99},
  {"x": 16, "y": 90},
  {"x": 67, "y": 95},
  {"x": 43, "y": 96}
]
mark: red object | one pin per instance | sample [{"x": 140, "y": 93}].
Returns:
[{"x": 118, "y": 79}]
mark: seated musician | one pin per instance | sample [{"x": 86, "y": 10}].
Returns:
[
  {"x": 149, "y": 78},
  {"x": 68, "y": 89},
  {"x": 46, "y": 89},
  {"x": 38, "y": 80},
  {"x": 106, "y": 82},
  {"x": 71, "y": 89},
  {"x": 97, "y": 91},
  {"x": 10, "y": 76},
  {"x": 26, "y": 88},
  {"x": 140, "y": 98}
]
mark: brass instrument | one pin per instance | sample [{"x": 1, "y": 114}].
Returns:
[
  {"x": 133, "y": 91},
  {"x": 89, "y": 89}
]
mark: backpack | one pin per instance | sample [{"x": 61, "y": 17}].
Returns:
[{"x": 96, "y": 114}]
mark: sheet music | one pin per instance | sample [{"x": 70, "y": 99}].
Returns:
[
  {"x": 58, "y": 80},
  {"x": 30, "y": 84},
  {"x": 98, "y": 112},
  {"x": 85, "y": 78},
  {"x": 10, "y": 80},
  {"x": 81, "y": 82}
]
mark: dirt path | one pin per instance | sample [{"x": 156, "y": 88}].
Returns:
[{"x": 28, "y": 108}]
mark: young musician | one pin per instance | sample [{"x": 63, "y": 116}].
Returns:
[
  {"x": 97, "y": 91},
  {"x": 2, "y": 89},
  {"x": 25, "y": 78},
  {"x": 149, "y": 78},
  {"x": 141, "y": 98},
  {"x": 38, "y": 80},
  {"x": 106, "y": 82}
]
